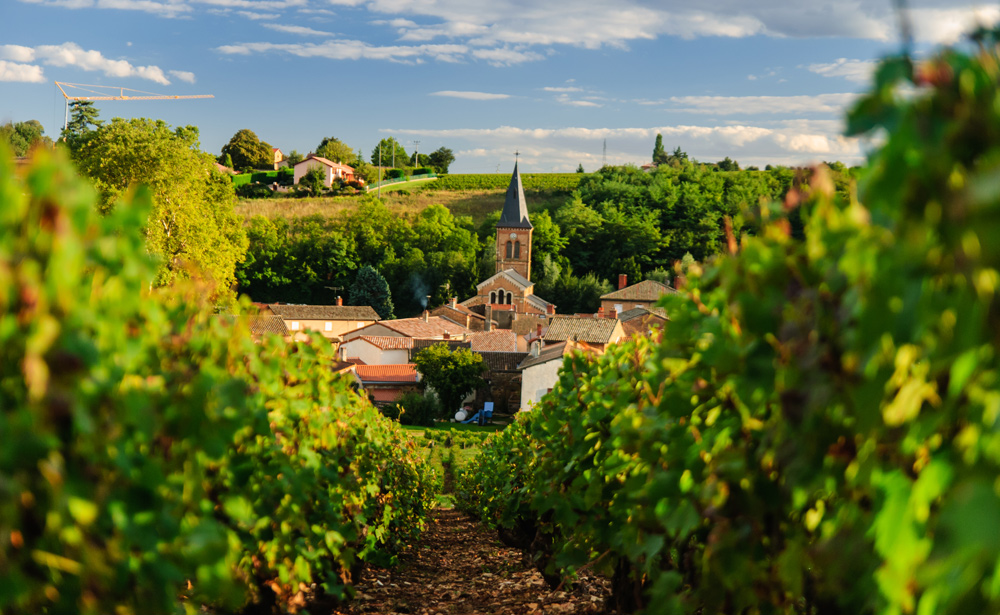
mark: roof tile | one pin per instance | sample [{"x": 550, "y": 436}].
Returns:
[
  {"x": 324, "y": 312},
  {"x": 647, "y": 290},
  {"x": 593, "y": 330}
]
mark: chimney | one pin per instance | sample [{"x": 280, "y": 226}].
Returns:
[
  {"x": 600, "y": 312},
  {"x": 550, "y": 310},
  {"x": 427, "y": 316},
  {"x": 340, "y": 301},
  {"x": 454, "y": 303},
  {"x": 613, "y": 313},
  {"x": 535, "y": 348},
  {"x": 447, "y": 335},
  {"x": 622, "y": 281},
  {"x": 489, "y": 318},
  {"x": 539, "y": 331}
]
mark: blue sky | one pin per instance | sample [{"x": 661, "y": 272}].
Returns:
[{"x": 762, "y": 82}]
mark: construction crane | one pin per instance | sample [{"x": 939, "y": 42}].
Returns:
[{"x": 101, "y": 93}]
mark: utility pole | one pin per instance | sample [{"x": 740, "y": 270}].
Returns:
[
  {"x": 380, "y": 169},
  {"x": 416, "y": 156},
  {"x": 604, "y": 162}
]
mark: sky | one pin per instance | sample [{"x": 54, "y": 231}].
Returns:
[{"x": 562, "y": 83}]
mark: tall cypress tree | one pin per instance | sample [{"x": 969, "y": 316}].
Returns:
[
  {"x": 659, "y": 154},
  {"x": 370, "y": 288}
]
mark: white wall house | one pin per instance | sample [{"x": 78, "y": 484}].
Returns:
[
  {"x": 331, "y": 170},
  {"x": 378, "y": 350}
]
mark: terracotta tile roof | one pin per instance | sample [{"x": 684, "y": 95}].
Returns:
[
  {"x": 324, "y": 312},
  {"x": 515, "y": 277},
  {"x": 499, "y": 340},
  {"x": 262, "y": 325},
  {"x": 502, "y": 361},
  {"x": 593, "y": 330},
  {"x": 433, "y": 327},
  {"x": 647, "y": 290},
  {"x": 641, "y": 312},
  {"x": 551, "y": 352},
  {"x": 327, "y": 162},
  {"x": 386, "y": 395},
  {"x": 369, "y": 374},
  {"x": 386, "y": 342}
]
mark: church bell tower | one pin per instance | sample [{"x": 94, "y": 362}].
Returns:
[{"x": 514, "y": 230}]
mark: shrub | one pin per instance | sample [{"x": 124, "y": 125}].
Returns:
[
  {"x": 254, "y": 191},
  {"x": 417, "y": 409}
]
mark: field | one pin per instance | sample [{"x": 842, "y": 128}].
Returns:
[{"x": 477, "y": 204}]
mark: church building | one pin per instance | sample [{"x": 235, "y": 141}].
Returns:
[{"x": 510, "y": 294}]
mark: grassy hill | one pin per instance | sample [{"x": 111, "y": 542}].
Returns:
[{"x": 477, "y": 203}]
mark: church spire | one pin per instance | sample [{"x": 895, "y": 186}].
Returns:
[{"x": 515, "y": 210}]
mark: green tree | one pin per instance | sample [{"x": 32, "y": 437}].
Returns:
[
  {"x": 393, "y": 154},
  {"x": 579, "y": 168},
  {"x": 728, "y": 164},
  {"x": 370, "y": 288},
  {"x": 312, "y": 183},
  {"x": 364, "y": 171},
  {"x": 453, "y": 374},
  {"x": 659, "y": 154},
  {"x": 247, "y": 151},
  {"x": 441, "y": 159},
  {"x": 227, "y": 161},
  {"x": 82, "y": 119},
  {"x": 192, "y": 225},
  {"x": 335, "y": 150},
  {"x": 294, "y": 157},
  {"x": 22, "y": 137}
]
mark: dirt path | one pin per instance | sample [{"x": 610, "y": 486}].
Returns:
[{"x": 460, "y": 568}]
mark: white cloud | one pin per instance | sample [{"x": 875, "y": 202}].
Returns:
[
  {"x": 752, "y": 105},
  {"x": 563, "y": 89},
  {"x": 72, "y": 55},
  {"x": 470, "y": 95},
  {"x": 562, "y": 149},
  {"x": 858, "y": 71},
  {"x": 258, "y": 16},
  {"x": 350, "y": 50},
  {"x": 506, "y": 56},
  {"x": 947, "y": 25},
  {"x": 300, "y": 30},
  {"x": 183, "y": 75},
  {"x": 28, "y": 73}
]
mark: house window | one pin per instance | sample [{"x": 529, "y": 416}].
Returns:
[
  {"x": 618, "y": 308},
  {"x": 493, "y": 296},
  {"x": 508, "y": 298},
  {"x": 517, "y": 249},
  {"x": 329, "y": 326},
  {"x": 295, "y": 325},
  {"x": 510, "y": 248}
]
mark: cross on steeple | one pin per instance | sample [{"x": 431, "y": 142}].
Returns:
[{"x": 516, "y": 154}]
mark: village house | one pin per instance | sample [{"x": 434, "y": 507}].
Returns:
[
  {"x": 540, "y": 368},
  {"x": 641, "y": 321},
  {"x": 645, "y": 294},
  {"x": 424, "y": 327},
  {"x": 598, "y": 333},
  {"x": 277, "y": 157},
  {"x": 377, "y": 350},
  {"x": 385, "y": 384},
  {"x": 332, "y": 171},
  {"x": 332, "y": 321},
  {"x": 459, "y": 314}
]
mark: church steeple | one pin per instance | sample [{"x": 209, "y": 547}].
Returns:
[
  {"x": 514, "y": 230},
  {"x": 515, "y": 210}
]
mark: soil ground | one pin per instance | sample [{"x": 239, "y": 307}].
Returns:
[{"x": 460, "y": 568}]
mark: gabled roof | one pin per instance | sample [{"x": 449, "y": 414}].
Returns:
[
  {"x": 326, "y": 162},
  {"x": 453, "y": 345},
  {"x": 522, "y": 282},
  {"x": 499, "y": 340},
  {"x": 433, "y": 327},
  {"x": 370, "y": 374},
  {"x": 538, "y": 302},
  {"x": 639, "y": 312},
  {"x": 264, "y": 324},
  {"x": 551, "y": 352},
  {"x": 515, "y": 210},
  {"x": 502, "y": 361},
  {"x": 324, "y": 312},
  {"x": 592, "y": 330},
  {"x": 647, "y": 290},
  {"x": 386, "y": 342}
]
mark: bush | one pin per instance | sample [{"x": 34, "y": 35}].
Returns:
[
  {"x": 254, "y": 191},
  {"x": 395, "y": 173},
  {"x": 417, "y": 409},
  {"x": 422, "y": 171}
]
